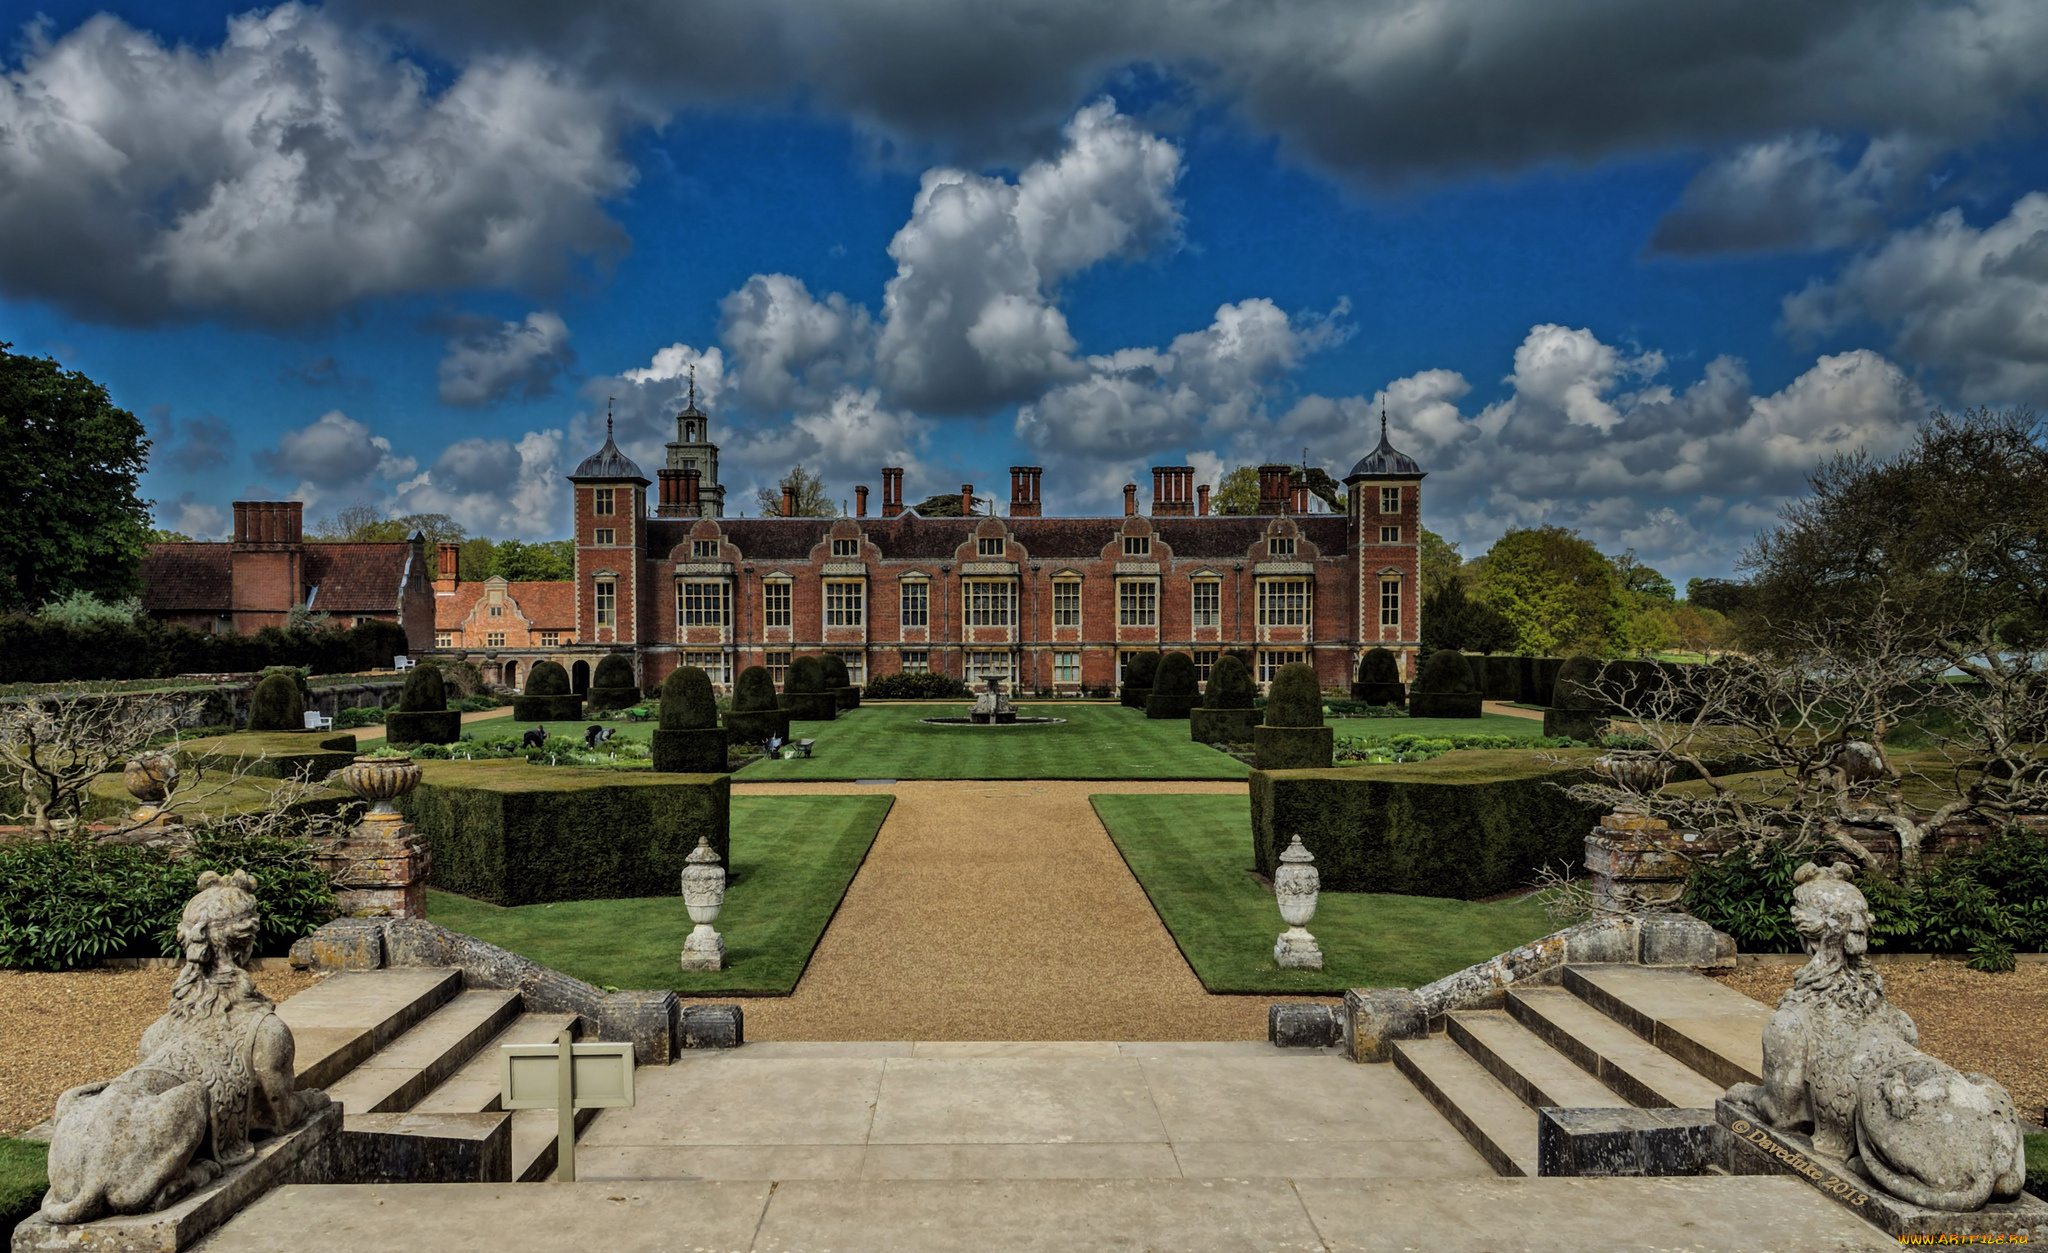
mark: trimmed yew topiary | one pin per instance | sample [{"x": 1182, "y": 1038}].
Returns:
[
  {"x": 1293, "y": 736},
  {"x": 839, "y": 682},
  {"x": 689, "y": 740},
  {"x": 275, "y": 705},
  {"x": 1445, "y": 687},
  {"x": 1139, "y": 672},
  {"x": 804, "y": 693},
  {"x": 1379, "y": 679},
  {"x": 547, "y": 697},
  {"x": 612, "y": 685},
  {"x": 423, "y": 716},
  {"x": 1173, "y": 688},
  {"x": 1576, "y": 710},
  {"x": 1226, "y": 715},
  {"x": 754, "y": 716}
]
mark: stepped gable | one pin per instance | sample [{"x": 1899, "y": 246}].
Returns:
[
  {"x": 192, "y": 577},
  {"x": 357, "y": 576}
]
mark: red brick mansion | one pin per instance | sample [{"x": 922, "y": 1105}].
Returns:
[{"x": 1046, "y": 603}]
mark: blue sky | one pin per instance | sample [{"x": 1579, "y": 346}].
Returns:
[{"x": 1610, "y": 265}]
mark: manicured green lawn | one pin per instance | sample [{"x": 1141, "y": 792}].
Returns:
[
  {"x": 1484, "y": 724},
  {"x": 792, "y": 857},
  {"x": 1193, "y": 855},
  {"x": 22, "y": 1181},
  {"x": 1096, "y": 742}
]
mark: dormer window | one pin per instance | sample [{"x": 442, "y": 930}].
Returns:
[
  {"x": 846, "y": 548},
  {"x": 1137, "y": 546},
  {"x": 704, "y": 549},
  {"x": 1280, "y": 546},
  {"x": 989, "y": 546}
]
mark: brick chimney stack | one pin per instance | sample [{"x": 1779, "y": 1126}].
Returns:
[
  {"x": 269, "y": 523},
  {"x": 1173, "y": 491},
  {"x": 892, "y": 491},
  {"x": 1024, "y": 502},
  {"x": 788, "y": 503},
  {"x": 690, "y": 494},
  {"x": 449, "y": 576},
  {"x": 669, "y": 493},
  {"x": 1275, "y": 483},
  {"x": 967, "y": 500},
  {"x": 860, "y": 501},
  {"x": 1130, "y": 500},
  {"x": 1202, "y": 501},
  {"x": 1297, "y": 497}
]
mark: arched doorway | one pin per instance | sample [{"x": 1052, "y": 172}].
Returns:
[
  {"x": 579, "y": 678},
  {"x": 512, "y": 675}
]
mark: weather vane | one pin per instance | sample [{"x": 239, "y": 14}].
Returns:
[
  {"x": 693, "y": 385},
  {"x": 608, "y": 417}
]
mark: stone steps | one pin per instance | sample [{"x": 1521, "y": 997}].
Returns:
[
  {"x": 395, "y": 1078},
  {"x": 1639, "y": 1072},
  {"x": 1612, "y": 1038},
  {"x": 1717, "y": 1031},
  {"x": 338, "y": 1023},
  {"x": 474, "y": 1088}
]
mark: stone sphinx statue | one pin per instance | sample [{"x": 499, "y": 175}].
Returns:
[
  {"x": 1841, "y": 1058},
  {"x": 214, "y": 1070}
]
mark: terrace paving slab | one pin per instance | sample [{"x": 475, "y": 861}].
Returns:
[{"x": 1704, "y": 1215}]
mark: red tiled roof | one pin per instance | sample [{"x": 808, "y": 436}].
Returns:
[
  {"x": 451, "y": 609},
  {"x": 356, "y": 577},
  {"x": 179, "y": 577},
  {"x": 547, "y": 606}
]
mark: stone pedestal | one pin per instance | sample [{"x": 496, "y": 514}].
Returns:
[
  {"x": 1296, "y": 950},
  {"x": 1637, "y": 862},
  {"x": 378, "y": 869},
  {"x": 703, "y": 949},
  {"x": 1757, "y": 1148}
]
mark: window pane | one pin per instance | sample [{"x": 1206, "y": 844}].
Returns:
[
  {"x": 775, "y": 604},
  {"x": 778, "y": 667},
  {"x": 1390, "y": 602},
  {"x": 1208, "y": 603},
  {"x": 1204, "y": 662},
  {"x": 916, "y": 604},
  {"x": 606, "y": 602},
  {"x": 916, "y": 662},
  {"x": 1066, "y": 603},
  {"x": 991, "y": 603},
  {"x": 1137, "y": 603},
  {"x": 845, "y": 604},
  {"x": 1283, "y": 602},
  {"x": 704, "y": 603},
  {"x": 1066, "y": 667},
  {"x": 1390, "y": 500}
]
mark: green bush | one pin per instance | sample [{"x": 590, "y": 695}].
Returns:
[
  {"x": 519, "y": 835},
  {"x": 1222, "y": 726},
  {"x": 686, "y": 700},
  {"x": 612, "y": 685},
  {"x": 1445, "y": 687},
  {"x": 1576, "y": 710},
  {"x": 270, "y": 755},
  {"x": 1379, "y": 679},
  {"x": 1539, "y": 680},
  {"x": 35, "y": 649},
  {"x": 906, "y": 686},
  {"x": 1173, "y": 688},
  {"x": 1294, "y": 698},
  {"x": 1230, "y": 685},
  {"x": 1139, "y": 672},
  {"x": 1409, "y": 747},
  {"x": 276, "y": 706},
  {"x": 547, "y": 697},
  {"x": 1469, "y": 825},
  {"x": 1500, "y": 678},
  {"x": 834, "y": 672},
  {"x": 1990, "y": 902},
  {"x": 69, "y": 903},
  {"x": 1292, "y": 748},
  {"x": 804, "y": 694},
  {"x": 423, "y": 716},
  {"x": 806, "y": 674},
  {"x": 359, "y": 716}
]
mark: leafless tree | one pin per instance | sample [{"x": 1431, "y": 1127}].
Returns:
[{"x": 52, "y": 748}]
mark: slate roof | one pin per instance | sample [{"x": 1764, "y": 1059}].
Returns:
[
  {"x": 1385, "y": 462},
  {"x": 608, "y": 463},
  {"x": 186, "y": 578},
  {"x": 356, "y": 577}
]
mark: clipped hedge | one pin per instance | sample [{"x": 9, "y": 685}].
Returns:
[
  {"x": 270, "y": 754},
  {"x": 1222, "y": 726},
  {"x": 423, "y": 716},
  {"x": 904, "y": 685},
  {"x": 515, "y": 834},
  {"x": 547, "y": 697},
  {"x": 804, "y": 694},
  {"x": 276, "y": 705},
  {"x": 36, "y": 650},
  {"x": 1379, "y": 679},
  {"x": 1467, "y": 825},
  {"x": 1173, "y": 688},
  {"x": 1445, "y": 687},
  {"x": 688, "y": 741},
  {"x": 1139, "y": 672},
  {"x": 612, "y": 685},
  {"x": 1230, "y": 684},
  {"x": 1500, "y": 678},
  {"x": 1576, "y": 710},
  {"x": 1293, "y": 748},
  {"x": 754, "y": 716}
]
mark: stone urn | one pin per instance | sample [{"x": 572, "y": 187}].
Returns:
[
  {"x": 1633, "y": 773},
  {"x": 703, "y": 896},
  {"x": 1296, "y": 885},
  {"x": 380, "y": 781},
  {"x": 151, "y": 778}
]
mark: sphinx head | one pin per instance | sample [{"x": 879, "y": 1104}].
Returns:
[
  {"x": 1829, "y": 912},
  {"x": 220, "y": 924}
]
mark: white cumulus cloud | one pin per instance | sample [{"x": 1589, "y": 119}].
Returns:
[{"x": 494, "y": 360}]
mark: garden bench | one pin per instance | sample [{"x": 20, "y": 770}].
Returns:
[{"x": 317, "y": 721}]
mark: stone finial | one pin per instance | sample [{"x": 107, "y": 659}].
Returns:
[
  {"x": 151, "y": 778},
  {"x": 215, "y": 1069},
  {"x": 1296, "y": 885},
  {"x": 1839, "y": 1056},
  {"x": 703, "y": 896}
]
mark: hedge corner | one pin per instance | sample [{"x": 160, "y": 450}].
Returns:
[{"x": 1293, "y": 748}]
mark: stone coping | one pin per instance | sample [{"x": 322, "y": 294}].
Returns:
[{"x": 1879, "y": 959}]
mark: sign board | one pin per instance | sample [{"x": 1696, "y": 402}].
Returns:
[{"x": 566, "y": 1076}]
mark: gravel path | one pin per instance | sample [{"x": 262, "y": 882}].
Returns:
[
  {"x": 73, "y": 1027},
  {"x": 1971, "y": 1020},
  {"x": 1000, "y": 911}
]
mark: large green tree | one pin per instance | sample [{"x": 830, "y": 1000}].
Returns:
[
  {"x": 1237, "y": 493},
  {"x": 363, "y": 523},
  {"x": 1556, "y": 590},
  {"x": 70, "y": 465},
  {"x": 546, "y": 561},
  {"x": 807, "y": 491},
  {"x": 1442, "y": 566}
]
